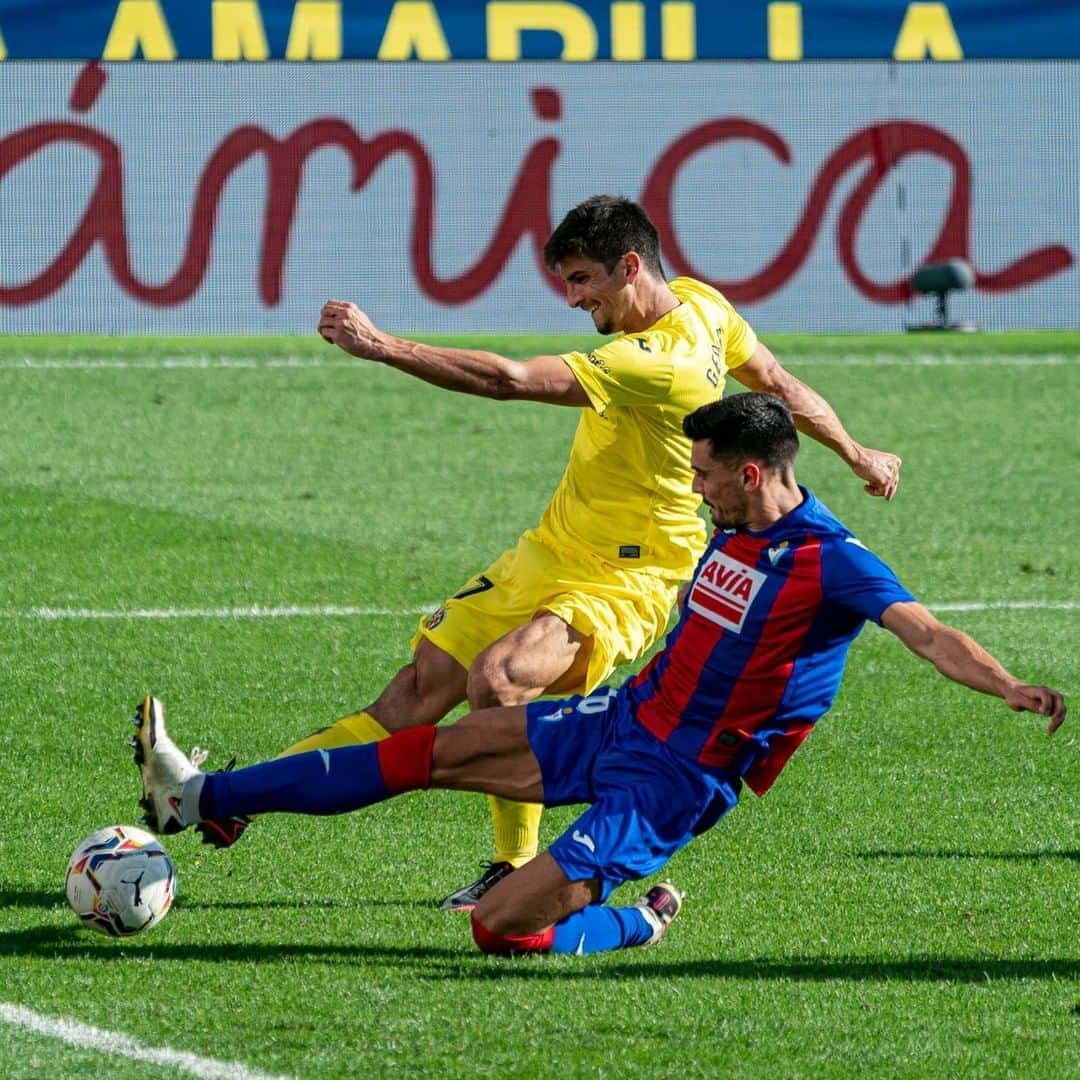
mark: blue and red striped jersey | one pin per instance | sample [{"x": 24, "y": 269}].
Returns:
[{"x": 758, "y": 653}]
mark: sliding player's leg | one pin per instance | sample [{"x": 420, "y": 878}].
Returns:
[
  {"x": 648, "y": 802},
  {"x": 541, "y": 910},
  {"x": 422, "y": 692},
  {"x": 486, "y": 752}
]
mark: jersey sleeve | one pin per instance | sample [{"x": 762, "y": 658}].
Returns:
[
  {"x": 740, "y": 340},
  {"x": 630, "y": 370},
  {"x": 856, "y": 579}
]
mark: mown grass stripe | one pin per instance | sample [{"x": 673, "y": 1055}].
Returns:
[
  {"x": 209, "y": 362},
  {"x": 256, "y": 611}
]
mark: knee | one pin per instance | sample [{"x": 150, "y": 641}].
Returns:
[
  {"x": 491, "y": 682},
  {"x": 495, "y": 943},
  {"x": 487, "y": 941}
]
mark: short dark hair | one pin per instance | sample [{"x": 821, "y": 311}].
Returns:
[
  {"x": 745, "y": 426},
  {"x": 604, "y": 228}
]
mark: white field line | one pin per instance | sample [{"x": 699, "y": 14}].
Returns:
[
  {"x": 157, "y": 363},
  {"x": 86, "y": 1037},
  {"x": 931, "y": 360},
  {"x": 1006, "y": 605},
  {"x": 50, "y": 614},
  {"x": 208, "y": 362}
]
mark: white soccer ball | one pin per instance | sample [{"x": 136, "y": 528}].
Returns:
[{"x": 120, "y": 881}]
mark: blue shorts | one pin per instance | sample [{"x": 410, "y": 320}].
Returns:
[{"x": 648, "y": 802}]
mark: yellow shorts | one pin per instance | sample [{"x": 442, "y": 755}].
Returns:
[{"x": 623, "y": 611}]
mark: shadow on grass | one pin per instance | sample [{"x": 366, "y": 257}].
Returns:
[
  {"x": 41, "y": 898},
  {"x": 298, "y": 905},
  {"x": 442, "y": 964},
  {"x": 74, "y": 943},
  {"x": 1071, "y": 855},
  {"x": 44, "y": 898}
]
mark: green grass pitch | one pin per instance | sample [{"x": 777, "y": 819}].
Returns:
[{"x": 904, "y": 903}]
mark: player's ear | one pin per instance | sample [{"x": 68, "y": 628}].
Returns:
[
  {"x": 751, "y": 475},
  {"x": 632, "y": 265}
]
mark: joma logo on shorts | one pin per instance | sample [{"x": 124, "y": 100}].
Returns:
[{"x": 724, "y": 590}]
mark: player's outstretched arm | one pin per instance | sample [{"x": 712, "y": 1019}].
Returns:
[
  {"x": 815, "y": 417},
  {"x": 964, "y": 660},
  {"x": 467, "y": 371}
]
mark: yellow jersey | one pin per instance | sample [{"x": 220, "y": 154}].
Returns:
[{"x": 625, "y": 495}]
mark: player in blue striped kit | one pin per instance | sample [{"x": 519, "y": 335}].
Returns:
[{"x": 755, "y": 660}]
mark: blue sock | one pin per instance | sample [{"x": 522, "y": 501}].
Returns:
[
  {"x": 318, "y": 782},
  {"x": 600, "y": 929}
]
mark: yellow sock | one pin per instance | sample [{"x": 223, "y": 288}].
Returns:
[
  {"x": 357, "y": 727},
  {"x": 517, "y": 830}
]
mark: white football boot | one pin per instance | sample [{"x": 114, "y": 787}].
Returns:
[{"x": 163, "y": 767}]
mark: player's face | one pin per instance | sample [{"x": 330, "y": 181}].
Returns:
[
  {"x": 606, "y": 297},
  {"x": 723, "y": 490}
]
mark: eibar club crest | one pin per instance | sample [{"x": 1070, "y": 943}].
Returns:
[{"x": 777, "y": 550}]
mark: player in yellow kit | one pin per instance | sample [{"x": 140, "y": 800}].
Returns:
[
  {"x": 622, "y": 529},
  {"x": 592, "y": 585}
]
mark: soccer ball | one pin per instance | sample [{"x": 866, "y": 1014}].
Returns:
[{"x": 120, "y": 881}]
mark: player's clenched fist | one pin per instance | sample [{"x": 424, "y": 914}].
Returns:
[
  {"x": 343, "y": 324},
  {"x": 881, "y": 471}
]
